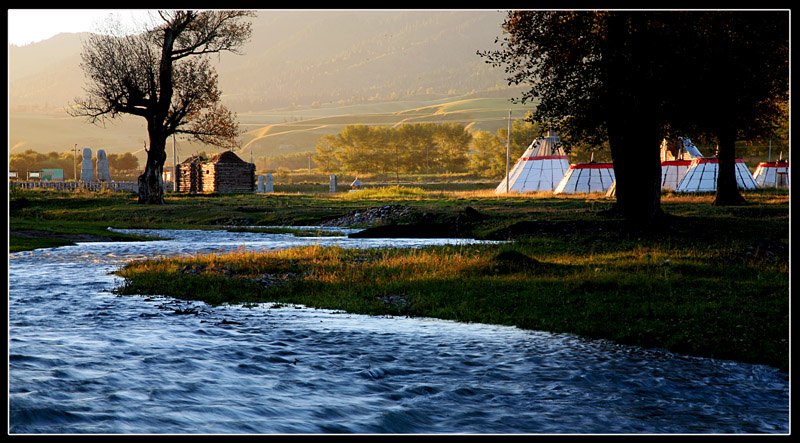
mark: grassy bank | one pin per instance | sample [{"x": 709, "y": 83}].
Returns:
[{"x": 709, "y": 281}]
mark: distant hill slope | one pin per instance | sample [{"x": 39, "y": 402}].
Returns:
[
  {"x": 301, "y": 135},
  {"x": 299, "y": 66},
  {"x": 273, "y": 132},
  {"x": 305, "y": 57},
  {"x": 297, "y": 58}
]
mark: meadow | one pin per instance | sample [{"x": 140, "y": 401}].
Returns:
[{"x": 707, "y": 281}]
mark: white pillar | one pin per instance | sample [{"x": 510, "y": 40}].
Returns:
[
  {"x": 87, "y": 169},
  {"x": 260, "y": 188},
  {"x": 268, "y": 183},
  {"x": 103, "y": 172}
]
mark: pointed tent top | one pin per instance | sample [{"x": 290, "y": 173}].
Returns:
[
  {"x": 545, "y": 146},
  {"x": 691, "y": 149},
  {"x": 540, "y": 168},
  {"x": 680, "y": 148}
]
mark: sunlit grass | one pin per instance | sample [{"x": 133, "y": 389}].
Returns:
[
  {"x": 675, "y": 298},
  {"x": 704, "y": 286},
  {"x": 393, "y": 191}
]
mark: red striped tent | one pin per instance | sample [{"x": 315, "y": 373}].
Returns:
[
  {"x": 772, "y": 174},
  {"x": 676, "y": 157},
  {"x": 586, "y": 177},
  {"x": 540, "y": 168},
  {"x": 702, "y": 176},
  {"x": 672, "y": 172}
]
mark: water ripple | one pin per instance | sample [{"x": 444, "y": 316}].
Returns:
[{"x": 82, "y": 360}]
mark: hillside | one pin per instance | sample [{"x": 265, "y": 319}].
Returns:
[
  {"x": 307, "y": 57},
  {"x": 301, "y": 135},
  {"x": 303, "y": 74}
]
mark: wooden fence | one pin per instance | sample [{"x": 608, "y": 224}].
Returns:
[{"x": 89, "y": 186}]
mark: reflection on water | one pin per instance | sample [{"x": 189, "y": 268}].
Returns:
[{"x": 82, "y": 360}]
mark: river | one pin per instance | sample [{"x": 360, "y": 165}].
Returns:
[{"x": 83, "y": 360}]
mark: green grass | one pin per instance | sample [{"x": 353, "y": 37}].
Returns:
[
  {"x": 711, "y": 281},
  {"x": 21, "y": 243},
  {"x": 688, "y": 304}
]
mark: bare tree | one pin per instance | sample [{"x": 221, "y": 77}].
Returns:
[{"x": 164, "y": 76}]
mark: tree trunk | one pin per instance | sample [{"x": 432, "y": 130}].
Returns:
[
  {"x": 637, "y": 168},
  {"x": 632, "y": 122},
  {"x": 151, "y": 184},
  {"x": 727, "y": 188}
]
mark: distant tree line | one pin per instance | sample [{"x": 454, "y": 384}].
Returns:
[
  {"x": 299, "y": 160},
  {"x": 429, "y": 148},
  {"x": 409, "y": 148},
  {"x": 31, "y": 160}
]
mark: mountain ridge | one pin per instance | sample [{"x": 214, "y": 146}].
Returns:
[{"x": 296, "y": 62}]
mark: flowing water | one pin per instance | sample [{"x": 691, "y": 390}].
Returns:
[{"x": 84, "y": 360}]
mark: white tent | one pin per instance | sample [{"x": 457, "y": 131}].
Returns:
[
  {"x": 702, "y": 176},
  {"x": 774, "y": 174},
  {"x": 672, "y": 172},
  {"x": 676, "y": 157},
  {"x": 587, "y": 177},
  {"x": 540, "y": 168}
]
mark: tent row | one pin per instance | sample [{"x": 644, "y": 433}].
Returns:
[{"x": 544, "y": 166}]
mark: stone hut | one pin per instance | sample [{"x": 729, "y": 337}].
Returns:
[{"x": 223, "y": 173}]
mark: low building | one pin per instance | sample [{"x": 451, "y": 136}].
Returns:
[{"x": 224, "y": 173}]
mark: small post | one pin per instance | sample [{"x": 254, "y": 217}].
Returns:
[
  {"x": 508, "y": 148},
  {"x": 332, "y": 188},
  {"x": 174, "y": 166},
  {"x": 75, "y": 162}
]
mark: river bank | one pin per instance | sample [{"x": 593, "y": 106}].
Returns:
[
  {"x": 85, "y": 360},
  {"x": 709, "y": 281}
]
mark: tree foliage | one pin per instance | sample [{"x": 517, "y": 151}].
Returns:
[
  {"x": 596, "y": 74},
  {"x": 410, "y": 148},
  {"x": 631, "y": 77},
  {"x": 164, "y": 75},
  {"x": 430, "y": 148},
  {"x": 122, "y": 162},
  {"x": 30, "y": 160},
  {"x": 740, "y": 72},
  {"x": 489, "y": 150}
]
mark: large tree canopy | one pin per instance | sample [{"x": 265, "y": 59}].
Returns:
[
  {"x": 737, "y": 64},
  {"x": 164, "y": 75},
  {"x": 628, "y": 76},
  {"x": 596, "y": 74}
]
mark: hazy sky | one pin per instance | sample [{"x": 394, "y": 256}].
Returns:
[{"x": 32, "y": 25}]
